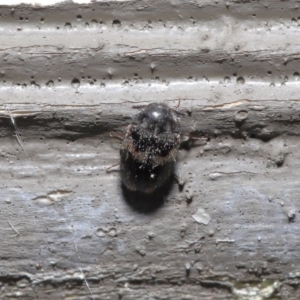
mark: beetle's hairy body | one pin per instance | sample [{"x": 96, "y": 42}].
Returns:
[{"x": 149, "y": 149}]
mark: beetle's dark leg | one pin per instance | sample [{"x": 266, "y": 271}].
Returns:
[
  {"x": 116, "y": 136},
  {"x": 108, "y": 169},
  {"x": 179, "y": 180},
  {"x": 178, "y": 104}
]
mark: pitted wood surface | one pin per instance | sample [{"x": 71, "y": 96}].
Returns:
[{"x": 71, "y": 74}]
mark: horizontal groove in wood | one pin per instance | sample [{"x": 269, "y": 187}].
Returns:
[{"x": 196, "y": 40}]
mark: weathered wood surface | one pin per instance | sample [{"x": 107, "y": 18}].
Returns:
[{"x": 70, "y": 75}]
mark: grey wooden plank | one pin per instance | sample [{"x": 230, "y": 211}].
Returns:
[{"x": 66, "y": 224}]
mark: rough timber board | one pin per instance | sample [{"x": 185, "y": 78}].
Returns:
[{"x": 70, "y": 75}]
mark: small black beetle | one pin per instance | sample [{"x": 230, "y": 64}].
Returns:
[{"x": 149, "y": 149}]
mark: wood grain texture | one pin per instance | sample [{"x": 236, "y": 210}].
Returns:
[{"x": 70, "y": 75}]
